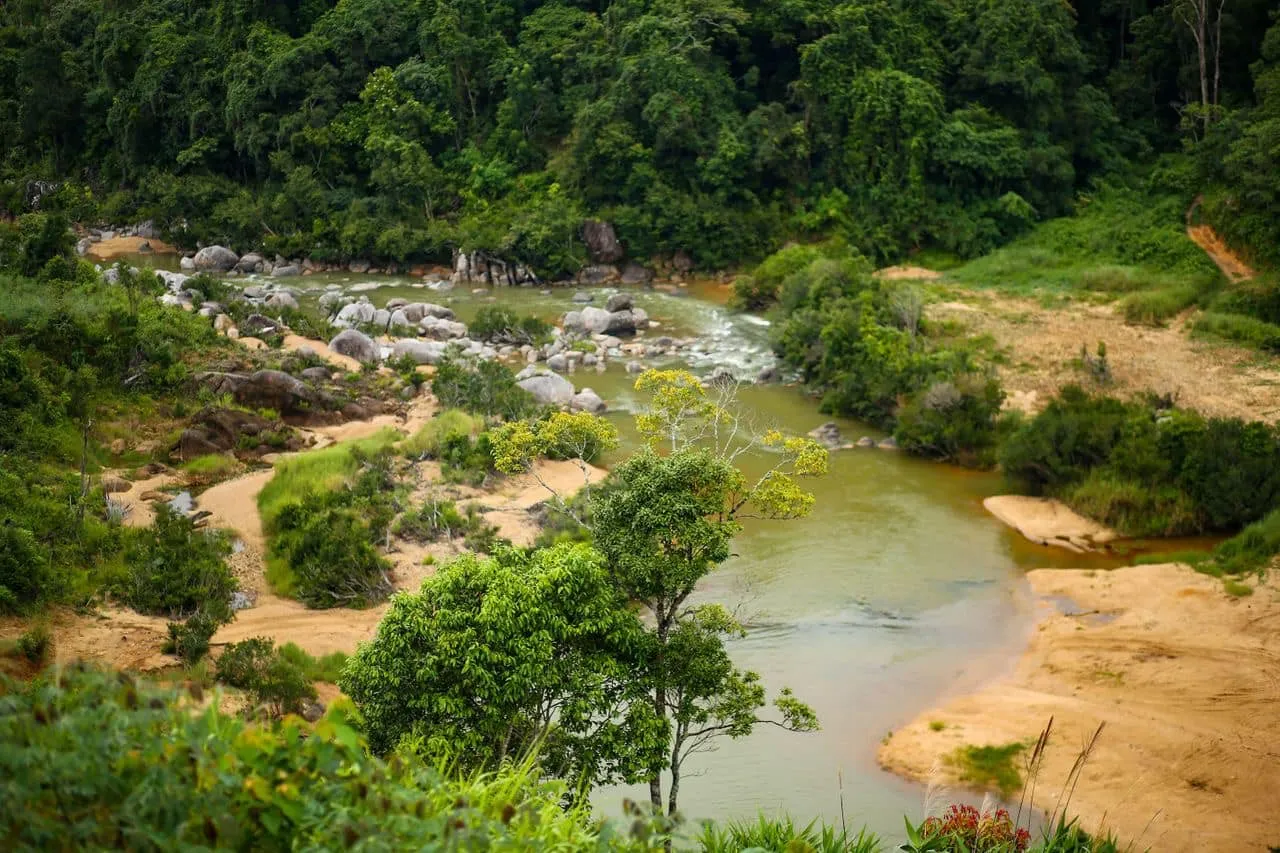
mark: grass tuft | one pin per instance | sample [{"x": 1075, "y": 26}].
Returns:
[{"x": 988, "y": 766}]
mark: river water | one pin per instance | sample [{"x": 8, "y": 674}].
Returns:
[{"x": 896, "y": 591}]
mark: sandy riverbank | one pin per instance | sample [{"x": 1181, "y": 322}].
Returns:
[
  {"x": 1187, "y": 680},
  {"x": 1046, "y": 521}
]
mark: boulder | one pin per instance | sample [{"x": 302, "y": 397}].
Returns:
[
  {"x": 240, "y": 601},
  {"x": 582, "y": 297},
  {"x": 83, "y": 245},
  {"x": 216, "y": 259},
  {"x": 222, "y": 322},
  {"x": 595, "y": 320},
  {"x": 635, "y": 367},
  {"x": 358, "y": 267},
  {"x": 865, "y": 441},
  {"x": 722, "y": 377},
  {"x": 634, "y": 273},
  {"x": 356, "y": 312},
  {"x": 598, "y": 274},
  {"x": 270, "y": 389},
  {"x": 422, "y": 352},
  {"x": 548, "y": 389},
  {"x": 769, "y": 374},
  {"x": 828, "y": 435},
  {"x": 442, "y": 330},
  {"x": 286, "y": 271},
  {"x": 257, "y": 325},
  {"x": 187, "y": 264},
  {"x": 602, "y": 241},
  {"x": 250, "y": 263},
  {"x": 173, "y": 281},
  {"x": 316, "y": 374},
  {"x": 558, "y": 362},
  {"x": 625, "y": 322},
  {"x": 332, "y": 300},
  {"x": 282, "y": 301},
  {"x": 587, "y": 400},
  {"x": 889, "y": 443},
  {"x": 147, "y": 230},
  {"x": 381, "y": 318},
  {"x": 399, "y": 320},
  {"x": 572, "y": 323},
  {"x": 620, "y": 302},
  {"x": 356, "y": 345}
]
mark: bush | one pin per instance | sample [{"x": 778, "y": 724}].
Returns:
[
  {"x": 953, "y": 423},
  {"x": 503, "y": 326},
  {"x": 485, "y": 388},
  {"x": 35, "y": 644},
  {"x": 435, "y": 518},
  {"x": 1135, "y": 509},
  {"x": 175, "y": 570},
  {"x": 258, "y": 668},
  {"x": 190, "y": 640},
  {"x": 1252, "y": 549},
  {"x": 131, "y": 761},
  {"x": 967, "y": 829},
  {"x": 781, "y": 834},
  {"x": 328, "y": 550},
  {"x": 1154, "y": 307},
  {"x": 24, "y": 573}
]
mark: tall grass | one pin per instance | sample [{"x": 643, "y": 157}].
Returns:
[
  {"x": 324, "y": 668},
  {"x": 1237, "y": 328},
  {"x": 432, "y": 436},
  {"x": 1252, "y": 549},
  {"x": 316, "y": 471},
  {"x": 989, "y": 765}
]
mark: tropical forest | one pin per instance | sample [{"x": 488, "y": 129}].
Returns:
[{"x": 787, "y": 426}]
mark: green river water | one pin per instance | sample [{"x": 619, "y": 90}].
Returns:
[{"x": 898, "y": 590}]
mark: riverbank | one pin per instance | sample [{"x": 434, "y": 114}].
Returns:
[{"x": 1182, "y": 674}]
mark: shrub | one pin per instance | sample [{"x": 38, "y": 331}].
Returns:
[
  {"x": 325, "y": 668},
  {"x": 435, "y": 518},
  {"x": 483, "y": 388},
  {"x": 759, "y": 290},
  {"x": 328, "y": 550},
  {"x": 431, "y": 438},
  {"x": 1075, "y": 433},
  {"x": 502, "y": 325},
  {"x": 24, "y": 573},
  {"x": 258, "y": 668},
  {"x": 175, "y": 570},
  {"x": 953, "y": 423},
  {"x": 189, "y": 640},
  {"x": 35, "y": 644},
  {"x": 1135, "y": 509},
  {"x": 132, "y": 761},
  {"x": 1231, "y": 469}
]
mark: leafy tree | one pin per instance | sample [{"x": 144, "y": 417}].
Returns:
[{"x": 495, "y": 658}]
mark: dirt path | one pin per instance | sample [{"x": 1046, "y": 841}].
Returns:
[
  {"x": 1187, "y": 680},
  {"x": 1043, "y": 346}
]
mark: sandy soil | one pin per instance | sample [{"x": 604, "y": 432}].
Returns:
[
  {"x": 293, "y": 343},
  {"x": 1046, "y": 521},
  {"x": 907, "y": 273},
  {"x": 1042, "y": 343},
  {"x": 1215, "y": 247},
  {"x": 108, "y": 250},
  {"x": 141, "y": 495},
  {"x": 1186, "y": 679}
]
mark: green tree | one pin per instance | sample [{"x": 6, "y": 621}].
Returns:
[{"x": 497, "y": 658}]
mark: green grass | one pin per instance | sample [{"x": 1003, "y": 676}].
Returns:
[
  {"x": 428, "y": 440},
  {"x": 1239, "y": 329},
  {"x": 325, "y": 668},
  {"x": 210, "y": 467},
  {"x": 1236, "y": 588},
  {"x": 936, "y": 725},
  {"x": 989, "y": 766},
  {"x": 1252, "y": 549},
  {"x": 1155, "y": 307},
  {"x": 1135, "y": 509},
  {"x": 316, "y": 471},
  {"x": 1190, "y": 558}
]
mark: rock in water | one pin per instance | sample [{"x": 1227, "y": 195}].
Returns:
[
  {"x": 548, "y": 389},
  {"x": 722, "y": 377},
  {"x": 828, "y": 435},
  {"x": 357, "y": 345},
  {"x": 282, "y": 301},
  {"x": 286, "y": 271},
  {"x": 620, "y": 302},
  {"x": 216, "y": 259},
  {"x": 587, "y": 400},
  {"x": 769, "y": 374}
]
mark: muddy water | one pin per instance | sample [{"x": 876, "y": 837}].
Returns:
[{"x": 898, "y": 589}]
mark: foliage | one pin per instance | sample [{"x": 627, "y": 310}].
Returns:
[
  {"x": 989, "y": 765},
  {"x": 127, "y": 760},
  {"x": 1252, "y": 549},
  {"x": 495, "y": 657},
  {"x": 429, "y": 441},
  {"x": 323, "y": 512},
  {"x": 500, "y": 325},
  {"x": 968, "y": 829},
  {"x": 1146, "y": 470},
  {"x": 486, "y": 388},
  {"x": 783, "y": 835},
  {"x": 271, "y": 679},
  {"x": 35, "y": 644},
  {"x": 951, "y": 423},
  {"x": 1240, "y": 329},
  {"x": 177, "y": 570}
]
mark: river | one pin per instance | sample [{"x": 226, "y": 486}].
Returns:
[{"x": 897, "y": 590}]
